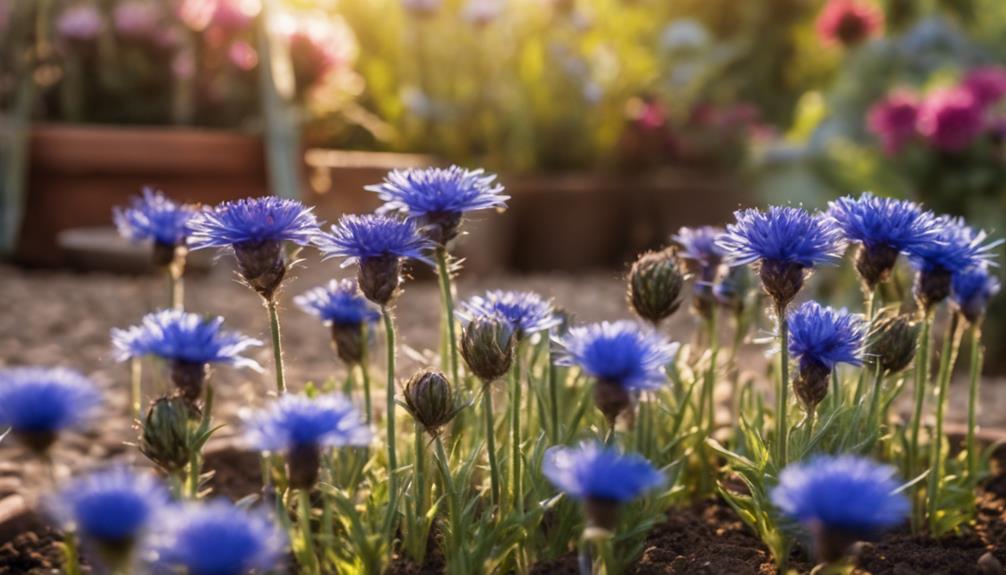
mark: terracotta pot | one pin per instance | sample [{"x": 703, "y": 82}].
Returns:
[{"x": 77, "y": 174}]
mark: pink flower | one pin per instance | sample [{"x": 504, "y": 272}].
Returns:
[
  {"x": 849, "y": 22},
  {"x": 951, "y": 118},
  {"x": 137, "y": 19},
  {"x": 80, "y": 23},
  {"x": 893, "y": 120},
  {"x": 987, "y": 84},
  {"x": 235, "y": 15},
  {"x": 242, "y": 55}
]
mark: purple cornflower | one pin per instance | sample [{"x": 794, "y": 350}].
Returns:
[
  {"x": 884, "y": 228},
  {"x": 439, "y": 197},
  {"x": 255, "y": 228},
  {"x": 526, "y": 312},
  {"x": 842, "y": 499},
  {"x": 785, "y": 242},
  {"x": 377, "y": 243},
  {"x": 951, "y": 119},
  {"x": 342, "y": 307},
  {"x": 820, "y": 338},
  {"x": 38, "y": 403},
  {"x": 972, "y": 289},
  {"x": 700, "y": 251}
]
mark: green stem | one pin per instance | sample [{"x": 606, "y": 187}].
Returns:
[
  {"x": 977, "y": 356},
  {"x": 921, "y": 380},
  {"x": 951, "y": 346},
  {"x": 176, "y": 289},
  {"x": 420, "y": 447},
  {"x": 515, "y": 442},
  {"x": 365, "y": 372},
  {"x": 870, "y": 299},
  {"x": 782, "y": 393},
  {"x": 494, "y": 472},
  {"x": 553, "y": 393},
  {"x": 194, "y": 468},
  {"x": 71, "y": 556},
  {"x": 878, "y": 383},
  {"x": 389, "y": 334},
  {"x": 447, "y": 299},
  {"x": 136, "y": 386},
  {"x": 277, "y": 346},
  {"x": 304, "y": 507},
  {"x": 453, "y": 498},
  {"x": 710, "y": 387}
]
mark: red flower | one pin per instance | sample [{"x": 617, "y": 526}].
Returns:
[
  {"x": 951, "y": 118},
  {"x": 849, "y": 22},
  {"x": 893, "y": 120}
]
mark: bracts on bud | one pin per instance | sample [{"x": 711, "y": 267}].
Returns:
[
  {"x": 164, "y": 433},
  {"x": 655, "y": 284},
  {"x": 349, "y": 342},
  {"x": 262, "y": 265},
  {"x": 431, "y": 401},
  {"x": 379, "y": 278},
  {"x": 189, "y": 378},
  {"x": 487, "y": 346},
  {"x": 611, "y": 399},
  {"x": 781, "y": 280},
  {"x": 303, "y": 463},
  {"x": 811, "y": 384},
  {"x": 874, "y": 264},
  {"x": 932, "y": 287},
  {"x": 892, "y": 341},
  {"x": 441, "y": 227}
]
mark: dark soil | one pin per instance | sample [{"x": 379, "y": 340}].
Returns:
[{"x": 34, "y": 552}]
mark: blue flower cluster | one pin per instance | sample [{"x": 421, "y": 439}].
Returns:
[
  {"x": 824, "y": 336},
  {"x": 435, "y": 191},
  {"x": 339, "y": 302},
  {"x": 37, "y": 403},
  {"x": 622, "y": 353},
  {"x": 526, "y": 312},
  {"x": 253, "y": 221},
  {"x": 358, "y": 238},
  {"x": 593, "y": 471},
  {"x": 153, "y": 217},
  {"x": 878, "y": 223},
  {"x": 174, "y": 335},
  {"x": 782, "y": 234},
  {"x": 297, "y": 421}
]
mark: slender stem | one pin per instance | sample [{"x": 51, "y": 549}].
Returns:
[
  {"x": 515, "y": 442},
  {"x": 584, "y": 561},
  {"x": 277, "y": 346},
  {"x": 194, "y": 468},
  {"x": 710, "y": 387},
  {"x": 420, "y": 463},
  {"x": 921, "y": 380},
  {"x": 447, "y": 299},
  {"x": 389, "y": 334},
  {"x": 176, "y": 289},
  {"x": 304, "y": 507},
  {"x": 365, "y": 371},
  {"x": 494, "y": 472},
  {"x": 136, "y": 385},
  {"x": 71, "y": 557},
  {"x": 782, "y": 393},
  {"x": 977, "y": 357},
  {"x": 878, "y": 383},
  {"x": 553, "y": 393},
  {"x": 453, "y": 498},
  {"x": 951, "y": 345},
  {"x": 870, "y": 299}
]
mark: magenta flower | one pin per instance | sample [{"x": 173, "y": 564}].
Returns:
[
  {"x": 137, "y": 19},
  {"x": 79, "y": 24},
  {"x": 848, "y": 22},
  {"x": 950, "y": 119},
  {"x": 893, "y": 120},
  {"x": 987, "y": 84}
]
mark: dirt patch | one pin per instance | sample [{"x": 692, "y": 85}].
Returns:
[{"x": 32, "y": 553}]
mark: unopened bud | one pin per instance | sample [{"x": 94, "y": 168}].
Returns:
[
  {"x": 165, "y": 433},
  {"x": 781, "y": 280},
  {"x": 379, "y": 278},
  {"x": 487, "y": 345},
  {"x": 655, "y": 284},
  {"x": 430, "y": 400},
  {"x": 811, "y": 384},
  {"x": 892, "y": 341},
  {"x": 262, "y": 265},
  {"x": 349, "y": 342}
]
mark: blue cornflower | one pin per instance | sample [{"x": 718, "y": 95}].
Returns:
[
  {"x": 526, "y": 312},
  {"x": 956, "y": 248},
  {"x": 37, "y": 403},
  {"x": 338, "y": 303},
  {"x": 825, "y": 336},
  {"x": 252, "y": 221},
  {"x": 601, "y": 477},
  {"x": 175, "y": 335},
  {"x": 256, "y": 228},
  {"x": 439, "y": 197},
  {"x": 153, "y": 217},
  {"x": 820, "y": 338},
  {"x": 377, "y": 243},
  {"x": 218, "y": 538},
  {"x": 301, "y": 427},
  {"x": 785, "y": 241},
  {"x": 884, "y": 227},
  {"x": 972, "y": 289},
  {"x": 700, "y": 251},
  {"x": 112, "y": 508},
  {"x": 842, "y": 498}
]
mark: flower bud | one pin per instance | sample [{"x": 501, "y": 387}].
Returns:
[
  {"x": 349, "y": 342},
  {"x": 441, "y": 227},
  {"x": 874, "y": 264},
  {"x": 893, "y": 340},
  {"x": 303, "y": 463},
  {"x": 189, "y": 378},
  {"x": 811, "y": 384},
  {"x": 931, "y": 287},
  {"x": 655, "y": 283},
  {"x": 782, "y": 280},
  {"x": 611, "y": 399},
  {"x": 165, "y": 433},
  {"x": 430, "y": 400},
  {"x": 262, "y": 266},
  {"x": 487, "y": 345},
  {"x": 379, "y": 278}
]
